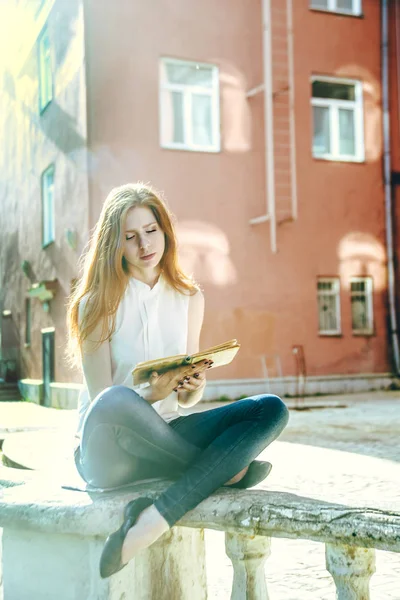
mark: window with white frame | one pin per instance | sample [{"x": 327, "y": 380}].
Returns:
[
  {"x": 337, "y": 119},
  {"x": 328, "y": 290},
  {"x": 45, "y": 70},
  {"x": 189, "y": 106},
  {"x": 48, "y": 218},
  {"x": 361, "y": 305},
  {"x": 347, "y": 7}
]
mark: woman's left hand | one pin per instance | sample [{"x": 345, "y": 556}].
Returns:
[{"x": 194, "y": 382}]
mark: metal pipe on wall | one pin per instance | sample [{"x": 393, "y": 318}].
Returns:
[
  {"x": 397, "y": 35},
  {"x": 387, "y": 184},
  {"x": 268, "y": 128},
  {"x": 269, "y": 121},
  {"x": 289, "y": 13}
]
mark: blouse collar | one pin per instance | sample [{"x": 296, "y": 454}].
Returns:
[{"x": 144, "y": 288}]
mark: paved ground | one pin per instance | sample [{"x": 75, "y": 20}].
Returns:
[
  {"x": 347, "y": 451},
  {"x": 350, "y": 455}
]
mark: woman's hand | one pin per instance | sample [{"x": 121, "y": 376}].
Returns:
[
  {"x": 190, "y": 391},
  {"x": 195, "y": 380},
  {"x": 188, "y": 378}
]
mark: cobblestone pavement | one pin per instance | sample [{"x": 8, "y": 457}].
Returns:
[{"x": 343, "y": 449}]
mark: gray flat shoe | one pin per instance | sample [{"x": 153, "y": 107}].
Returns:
[
  {"x": 110, "y": 560},
  {"x": 258, "y": 471}
]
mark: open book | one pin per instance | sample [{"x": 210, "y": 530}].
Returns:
[{"x": 221, "y": 355}]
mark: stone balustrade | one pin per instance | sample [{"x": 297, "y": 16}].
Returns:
[{"x": 52, "y": 540}]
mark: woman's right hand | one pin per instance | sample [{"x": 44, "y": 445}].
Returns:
[{"x": 166, "y": 383}]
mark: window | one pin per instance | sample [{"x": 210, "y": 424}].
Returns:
[
  {"x": 27, "y": 321},
  {"x": 45, "y": 71},
  {"x": 337, "y": 119},
  {"x": 48, "y": 226},
  {"x": 347, "y": 7},
  {"x": 189, "y": 106},
  {"x": 328, "y": 290},
  {"x": 361, "y": 305}
]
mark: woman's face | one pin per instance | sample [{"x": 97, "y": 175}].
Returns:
[{"x": 144, "y": 241}]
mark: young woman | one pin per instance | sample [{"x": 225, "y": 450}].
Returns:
[{"x": 133, "y": 303}]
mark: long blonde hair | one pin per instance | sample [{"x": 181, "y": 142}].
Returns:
[{"x": 105, "y": 273}]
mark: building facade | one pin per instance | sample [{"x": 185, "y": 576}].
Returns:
[{"x": 262, "y": 123}]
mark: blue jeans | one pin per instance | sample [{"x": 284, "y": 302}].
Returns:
[{"x": 125, "y": 440}]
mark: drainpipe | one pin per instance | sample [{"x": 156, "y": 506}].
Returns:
[
  {"x": 289, "y": 12},
  {"x": 387, "y": 184},
  {"x": 268, "y": 126},
  {"x": 397, "y": 34}
]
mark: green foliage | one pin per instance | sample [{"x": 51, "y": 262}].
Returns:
[{"x": 224, "y": 398}]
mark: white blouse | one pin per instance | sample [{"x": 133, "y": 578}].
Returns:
[{"x": 150, "y": 323}]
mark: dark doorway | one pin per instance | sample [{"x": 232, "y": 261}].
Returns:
[{"x": 48, "y": 363}]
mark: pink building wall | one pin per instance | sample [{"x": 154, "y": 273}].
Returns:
[{"x": 268, "y": 301}]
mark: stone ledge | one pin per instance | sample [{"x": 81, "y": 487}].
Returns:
[
  {"x": 62, "y": 395},
  {"x": 51, "y": 509},
  {"x": 65, "y": 395},
  {"x": 315, "y": 385},
  {"x": 31, "y": 390}
]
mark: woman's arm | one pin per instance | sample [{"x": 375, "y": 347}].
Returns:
[
  {"x": 96, "y": 365},
  {"x": 195, "y": 323},
  {"x": 96, "y": 362}
]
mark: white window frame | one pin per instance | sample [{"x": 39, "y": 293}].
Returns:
[
  {"x": 45, "y": 71},
  {"x": 336, "y": 293},
  {"x": 187, "y": 90},
  {"x": 356, "y": 11},
  {"x": 334, "y": 106},
  {"x": 48, "y": 212},
  {"x": 369, "y": 301}
]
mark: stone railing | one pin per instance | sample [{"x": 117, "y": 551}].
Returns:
[{"x": 52, "y": 540}]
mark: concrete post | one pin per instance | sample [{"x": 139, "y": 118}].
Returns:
[
  {"x": 248, "y": 555},
  {"x": 351, "y": 568},
  {"x": 172, "y": 568}
]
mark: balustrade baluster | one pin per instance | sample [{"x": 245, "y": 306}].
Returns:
[
  {"x": 248, "y": 555},
  {"x": 351, "y": 568}
]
